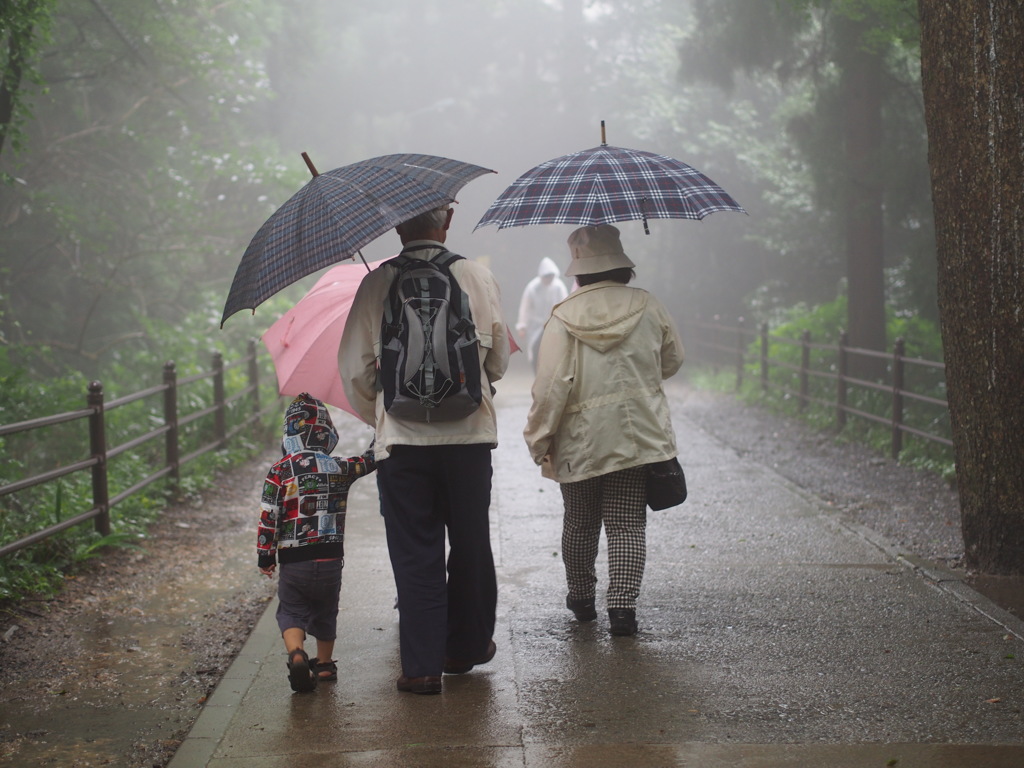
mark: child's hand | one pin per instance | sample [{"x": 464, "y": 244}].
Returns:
[{"x": 269, "y": 570}]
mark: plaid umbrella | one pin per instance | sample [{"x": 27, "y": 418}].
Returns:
[
  {"x": 607, "y": 184},
  {"x": 336, "y": 214}
]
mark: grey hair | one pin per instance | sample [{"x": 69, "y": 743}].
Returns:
[{"x": 434, "y": 219}]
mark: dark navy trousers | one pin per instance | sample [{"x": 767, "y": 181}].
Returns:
[{"x": 443, "y": 611}]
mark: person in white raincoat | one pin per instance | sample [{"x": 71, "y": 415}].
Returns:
[
  {"x": 539, "y": 296},
  {"x": 600, "y": 416}
]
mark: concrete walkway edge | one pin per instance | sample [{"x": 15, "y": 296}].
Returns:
[
  {"x": 932, "y": 573},
  {"x": 198, "y": 747}
]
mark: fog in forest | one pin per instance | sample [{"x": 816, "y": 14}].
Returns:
[
  {"x": 506, "y": 86},
  {"x": 153, "y": 145}
]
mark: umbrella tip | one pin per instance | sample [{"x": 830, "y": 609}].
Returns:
[
  {"x": 604, "y": 141},
  {"x": 309, "y": 164}
]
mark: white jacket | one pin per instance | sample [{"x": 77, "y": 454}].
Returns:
[
  {"x": 538, "y": 298},
  {"x": 360, "y": 348},
  {"x": 598, "y": 404}
]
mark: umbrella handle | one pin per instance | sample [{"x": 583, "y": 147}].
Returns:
[
  {"x": 309, "y": 164},
  {"x": 363, "y": 259}
]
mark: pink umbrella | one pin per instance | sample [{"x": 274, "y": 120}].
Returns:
[{"x": 304, "y": 342}]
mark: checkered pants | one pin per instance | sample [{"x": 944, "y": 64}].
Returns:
[{"x": 617, "y": 500}]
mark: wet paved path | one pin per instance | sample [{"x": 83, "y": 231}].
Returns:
[{"x": 771, "y": 635}]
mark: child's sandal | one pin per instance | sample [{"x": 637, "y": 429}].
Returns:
[
  {"x": 330, "y": 667},
  {"x": 300, "y": 672}
]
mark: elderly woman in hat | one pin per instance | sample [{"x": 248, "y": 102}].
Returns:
[{"x": 599, "y": 417}]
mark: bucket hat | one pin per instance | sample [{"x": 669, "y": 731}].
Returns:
[{"x": 596, "y": 249}]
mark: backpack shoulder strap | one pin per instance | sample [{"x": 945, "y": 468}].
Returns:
[
  {"x": 444, "y": 260},
  {"x": 399, "y": 264}
]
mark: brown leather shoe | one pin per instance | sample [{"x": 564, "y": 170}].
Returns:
[
  {"x": 460, "y": 666},
  {"x": 428, "y": 684}
]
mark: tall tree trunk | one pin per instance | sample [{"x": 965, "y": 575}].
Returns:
[
  {"x": 10, "y": 82},
  {"x": 973, "y": 75},
  {"x": 861, "y": 86}
]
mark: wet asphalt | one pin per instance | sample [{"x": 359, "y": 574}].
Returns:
[{"x": 771, "y": 634}]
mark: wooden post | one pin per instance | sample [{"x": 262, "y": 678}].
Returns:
[
  {"x": 254, "y": 379},
  {"x": 897, "y": 397},
  {"x": 171, "y": 449},
  {"x": 98, "y": 448},
  {"x": 715, "y": 351},
  {"x": 764, "y": 356},
  {"x": 805, "y": 364},
  {"x": 739, "y": 353},
  {"x": 842, "y": 365},
  {"x": 220, "y": 415}
]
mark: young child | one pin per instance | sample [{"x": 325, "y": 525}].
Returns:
[{"x": 302, "y": 527}]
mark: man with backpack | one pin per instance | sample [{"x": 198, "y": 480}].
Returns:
[{"x": 423, "y": 344}]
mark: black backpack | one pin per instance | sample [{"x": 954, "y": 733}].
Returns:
[{"x": 430, "y": 356}]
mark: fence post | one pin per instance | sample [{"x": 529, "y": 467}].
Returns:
[
  {"x": 739, "y": 353},
  {"x": 843, "y": 368},
  {"x": 805, "y": 364},
  {"x": 98, "y": 448},
  {"x": 764, "y": 356},
  {"x": 698, "y": 338},
  {"x": 254, "y": 378},
  {"x": 897, "y": 397},
  {"x": 220, "y": 415},
  {"x": 715, "y": 352},
  {"x": 171, "y": 450}
]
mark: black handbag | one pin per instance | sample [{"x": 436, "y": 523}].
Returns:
[{"x": 666, "y": 484}]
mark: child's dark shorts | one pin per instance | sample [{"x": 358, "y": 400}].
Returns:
[{"x": 308, "y": 594}]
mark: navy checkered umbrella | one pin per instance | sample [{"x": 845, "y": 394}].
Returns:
[
  {"x": 604, "y": 185},
  {"x": 336, "y": 214}
]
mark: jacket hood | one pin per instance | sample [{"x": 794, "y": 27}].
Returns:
[
  {"x": 602, "y": 315},
  {"x": 308, "y": 427},
  {"x": 548, "y": 267}
]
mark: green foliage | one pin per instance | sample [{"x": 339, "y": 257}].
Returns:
[
  {"x": 24, "y": 31},
  {"x": 89, "y": 549},
  {"x": 141, "y": 177}
]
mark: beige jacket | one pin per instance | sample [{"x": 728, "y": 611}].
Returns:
[
  {"x": 360, "y": 348},
  {"x": 598, "y": 405}
]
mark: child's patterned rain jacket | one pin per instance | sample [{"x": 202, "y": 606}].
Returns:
[{"x": 305, "y": 494}]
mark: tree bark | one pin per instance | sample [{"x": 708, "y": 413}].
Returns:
[
  {"x": 973, "y": 76},
  {"x": 861, "y": 86},
  {"x": 10, "y": 82}
]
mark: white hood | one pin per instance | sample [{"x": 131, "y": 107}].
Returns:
[{"x": 548, "y": 267}]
